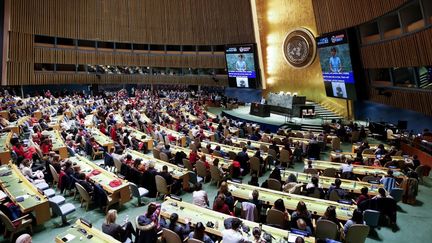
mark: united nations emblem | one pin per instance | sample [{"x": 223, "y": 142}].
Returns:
[{"x": 299, "y": 48}]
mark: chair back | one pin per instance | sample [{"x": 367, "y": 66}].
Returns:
[
  {"x": 284, "y": 156},
  {"x": 134, "y": 189},
  {"x": 201, "y": 169},
  {"x": 264, "y": 148},
  {"x": 397, "y": 193},
  {"x": 326, "y": 229},
  {"x": 273, "y": 153},
  {"x": 297, "y": 189},
  {"x": 193, "y": 177},
  {"x": 355, "y": 135},
  {"x": 274, "y": 184},
  {"x": 7, "y": 222},
  {"x": 275, "y": 218},
  {"x": 55, "y": 208},
  {"x": 161, "y": 185},
  {"x": 255, "y": 165},
  {"x": 170, "y": 236},
  {"x": 117, "y": 164},
  {"x": 315, "y": 194},
  {"x": 247, "y": 215},
  {"x": 420, "y": 170},
  {"x": 54, "y": 174},
  {"x": 187, "y": 164},
  {"x": 205, "y": 150},
  {"x": 368, "y": 178},
  {"x": 334, "y": 196},
  {"x": 371, "y": 217},
  {"x": 357, "y": 233},
  {"x": 156, "y": 153},
  {"x": 232, "y": 155},
  {"x": 83, "y": 193},
  {"x": 163, "y": 156},
  {"x": 311, "y": 171},
  {"x": 336, "y": 144},
  {"x": 215, "y": 173},
  {"x": 217, "y": 153},
  {"x": 329, "y": 172}
]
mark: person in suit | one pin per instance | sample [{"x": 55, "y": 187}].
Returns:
[
  {"x": 170, "y": 180},
  {"x": 336, "y": 187},
  {"x": 118, "y": 232},
  {"x": 84, "y": 183},
  {"x": 181, "y": 231}
]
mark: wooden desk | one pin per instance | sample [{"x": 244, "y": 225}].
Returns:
[
  {"x": 181, "y": 138},
  {"x": 58, "y": 144},
  {"x": 227, "y": 148},
  {"x": 73, "y": 234},
  {"x": 5, "y": 152},
  {"x": 102, "y": 139},
  {"x": 140, "y": 136},
  {"x": 197, "y": 214},
  {"x": 120, "y": 193},
  {"x": 37, "y": 114},
  {"x": 314, "y": 205},
  {"x": 56, "y": 122},
  {"x": 4, "y": 114},
  {"x": 357, "y": 169},
  {"x": 177, "y": 172},
  {"x": 223, "y": 162},
  {"x": 17, "y": 185},
  {"x": 335, "y": 155},
  {"x": 372, "y": 146},
  {"x": 349, "y": 185}
]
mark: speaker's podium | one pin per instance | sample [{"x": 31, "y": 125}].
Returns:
[{"x": 261, "y": 110}]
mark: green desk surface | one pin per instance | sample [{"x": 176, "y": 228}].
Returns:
[
  {"x": 17, "y": 185},
  {"x": 101, "y": 138},
  {"x": 4, "y": 143}
]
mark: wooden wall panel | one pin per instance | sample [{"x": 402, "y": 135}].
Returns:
[
  {"x": 185, "y": 22},
  {"x": 333, "y": 15},
  {"x": 139, "y": 21},
  {"x": 416, "y": 100},
  {"x": 409, "y": 51}
]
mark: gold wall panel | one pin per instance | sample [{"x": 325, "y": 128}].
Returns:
[{"x": 275, "y": 19}]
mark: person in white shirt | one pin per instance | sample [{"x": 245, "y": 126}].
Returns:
[
  {"x": 199, "y": 196},
  {"x": 234, "y": 235},
  {"x": 347, "y": 167}
]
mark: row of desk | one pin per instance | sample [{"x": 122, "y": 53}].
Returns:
[
  {"x": 195, "y": 214},
  {"x": 349, "y": 185},
  {"x": 177, "y": 172},
  {"x": 315, "y": 206},
  {"x": 16, "y": 185},
  {"x": 361, "y": 170},
  {"x": 120, "y": 193}
]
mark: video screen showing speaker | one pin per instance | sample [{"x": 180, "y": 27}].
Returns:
[
  {"x": 335, "y": 60},
  {"x": 241, "y": 61}
]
